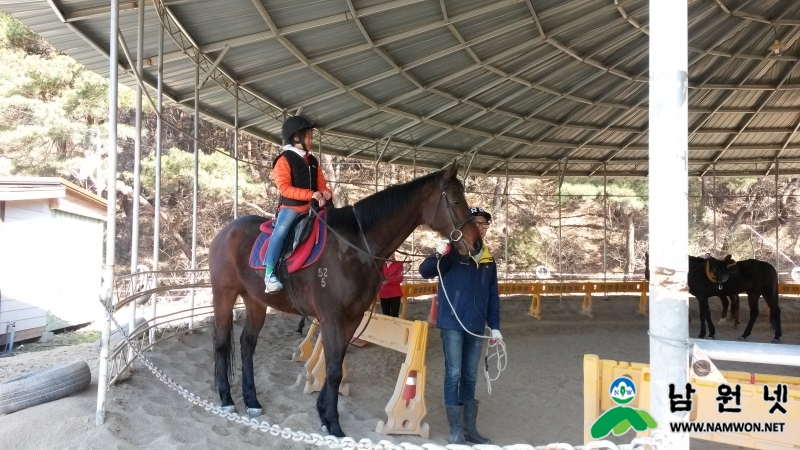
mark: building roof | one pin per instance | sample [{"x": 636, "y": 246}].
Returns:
[
  {"x": 62, "y": 194},
  {"x": 531, "y": 86}
]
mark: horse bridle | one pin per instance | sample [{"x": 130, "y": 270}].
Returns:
[{"x": 456, "y": 228}]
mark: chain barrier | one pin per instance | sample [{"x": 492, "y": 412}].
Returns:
[{"x": 349, "y": 443}]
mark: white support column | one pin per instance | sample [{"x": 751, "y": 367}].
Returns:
[
  {"x": 137, "y": 173},
  {"x": 195, "y": 186},
  {"x": 111, "y": 213},
  {"x": 669, "y": 209},
  {"x": 236, "y": 158},
  {"x": 157, "y": 201}
]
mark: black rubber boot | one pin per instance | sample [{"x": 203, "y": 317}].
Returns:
[
  {"x": 470, "y": 430},
  {"x": 454, "y": 414}
]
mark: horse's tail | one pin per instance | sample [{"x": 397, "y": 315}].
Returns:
[
  {"x": 231, "y": 350},
  {"x": 735, "y": 307},
  {"x": 774, "y": 311}
]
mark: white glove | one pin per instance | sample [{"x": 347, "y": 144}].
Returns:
[
  {"x": 496, "y": 336},
  {"x": 442, "y": 248}
]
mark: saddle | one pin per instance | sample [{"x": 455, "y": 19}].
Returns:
[
  {"x": 302, "y": 247},
  {"x": 730, "y": 263}
]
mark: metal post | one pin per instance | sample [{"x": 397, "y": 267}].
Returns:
[
  {"x": 714, "y": 205},
  {"x": 157, "y": 216},
  {"x": 605, "y": 222},
  {"x": 137, "y": 174},
  {"x": 236, "y": 158},
  {"x": 506, "y": 240},
  {"x": 376, "y": 165},
  {"x": 669, "y": 212},
  {"x": 413, "y": 232},
  {"x": 560, "y": 182},
  {"x": 111, "y": 213},
  {"x": 195, "y": 185},
  {"x": 777, "y": 223}
]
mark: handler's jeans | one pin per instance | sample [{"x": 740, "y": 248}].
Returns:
[
  {"x": 284, "y": 221},
  {"x": 462, "y": 352}
]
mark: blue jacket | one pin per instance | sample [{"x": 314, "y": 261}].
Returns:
[{"x": 472, "y": 289}]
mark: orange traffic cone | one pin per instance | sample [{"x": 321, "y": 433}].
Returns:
[
  {"x": 434, "y": 310},
  {"x": 410, "y": 389}
]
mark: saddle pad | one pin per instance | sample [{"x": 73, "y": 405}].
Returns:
[{"x": 303, "y": 256}]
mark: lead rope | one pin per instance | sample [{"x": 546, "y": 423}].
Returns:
[{"x": 500, "y": 348}]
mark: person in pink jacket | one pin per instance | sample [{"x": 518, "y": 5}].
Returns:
[{"x": 390, "y": 291}]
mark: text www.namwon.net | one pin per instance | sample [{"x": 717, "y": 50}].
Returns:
[{"x": 727, "y": 427}]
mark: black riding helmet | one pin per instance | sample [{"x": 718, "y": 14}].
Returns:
[{"x": 294, "y": 125}]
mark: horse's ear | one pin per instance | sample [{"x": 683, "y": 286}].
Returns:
[
  {"x": 451, "y": 170},
  {"x": 728, "y": 258}
]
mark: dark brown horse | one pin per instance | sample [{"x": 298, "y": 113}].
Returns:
[{"x": 339, "y": 287}]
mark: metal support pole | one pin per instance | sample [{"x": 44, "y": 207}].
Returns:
[
  {"x": 236, "y": 158},
  {"x": 669, "y": 213},
  {"x": 111, "y": 212},
  {"x": 413, "y": 232},
  {"x": 605, "y": 222},
  {"x": 750, "y": 352},
  {"x": 560, "y": 182},
  {"x": 714, "y": 206},
  {"x": 137, "y": 174},
  {"x": 157, "y": 201},
  {"x": 376, "y": 165},
  {"x": 777, "y": 223},
  {"x": 195, "y": 186},
  {"x": 506, "y": 233}
]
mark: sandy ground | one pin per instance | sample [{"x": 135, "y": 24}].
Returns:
[{"x": 537, "y": 400}]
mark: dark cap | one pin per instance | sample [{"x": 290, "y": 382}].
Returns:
[{"x": 478, "y": 211}]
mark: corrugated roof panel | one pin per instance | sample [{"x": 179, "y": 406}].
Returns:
[
  {"x": 356, "y": 67},
  {"x": 469, "y": 86},
  {"x": 457, "y": 113},
  {"x": 515, "y": 16},
  {"x": 258, "y": 58},
  {"x": 291, "y": 12},
  {"x": 322, "y": 40},
  {"x": 426, "y": 47},
  {"x": 375, "y": 125},
  {"x": 389, "y": 88},
  {"x": 396, "y": 21},
  {"x": 489, "y": 48},
  {"x": 302, "y": 85},
  {"x": 210, "y": 22},
  {"x": 446, "y": 65}
]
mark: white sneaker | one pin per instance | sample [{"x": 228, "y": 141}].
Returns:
[{"x": 273, "y": 284}]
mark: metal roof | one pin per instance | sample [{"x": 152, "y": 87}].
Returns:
[{"x": 528, "y": 86}]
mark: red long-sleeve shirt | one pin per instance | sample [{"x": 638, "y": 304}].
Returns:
[{"x": 393, "y": 273}]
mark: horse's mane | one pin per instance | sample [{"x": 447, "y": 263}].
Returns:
[{"x": 374, "y": 210}]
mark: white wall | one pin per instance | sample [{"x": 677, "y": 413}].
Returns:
[
  {"x": 49, "y": 261},
  {"x": 22, "y": 245}
]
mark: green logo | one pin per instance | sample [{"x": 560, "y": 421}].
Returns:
[{"x": 620, "y": 419}]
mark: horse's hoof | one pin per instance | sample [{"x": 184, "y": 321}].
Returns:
[
  {"x": 712, "y": 338},
  {"x": 776, "y": 341},
  {"x": 229, "y": 409},
  {"x": 722, "y": 321},
  {"x": 742, "y": 338},
  {"x": 324, "y": 429},
  {"x": 298, "y": 333},
  {"x": 254, "y": 412}
]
